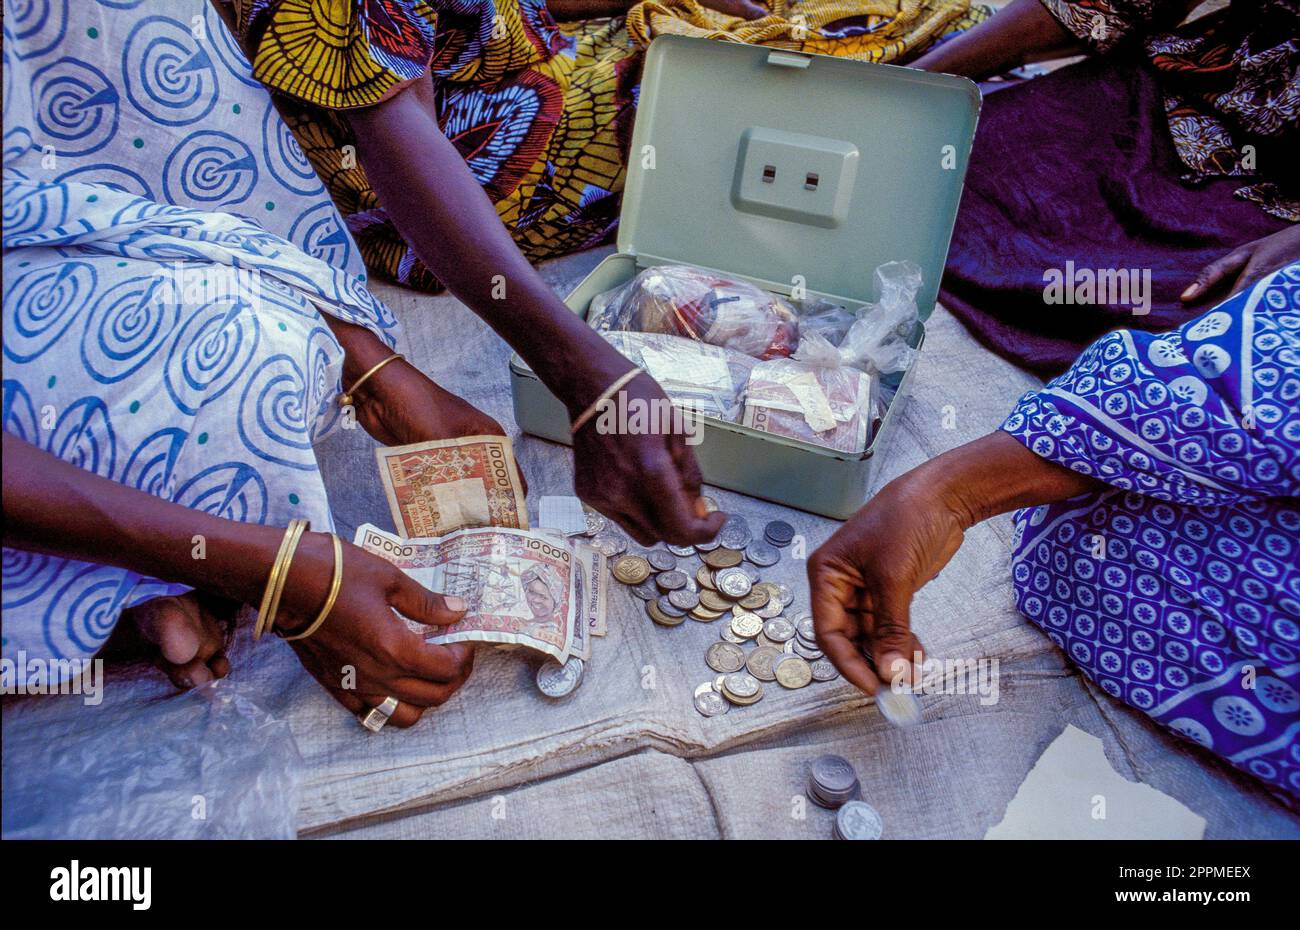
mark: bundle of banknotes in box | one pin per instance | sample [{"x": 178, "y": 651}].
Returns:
[
  {"x": 462, "y": 522},
  {"x": 729, "y": 350}
]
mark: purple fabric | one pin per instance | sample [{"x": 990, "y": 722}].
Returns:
[{"x": 1079, "y": 166}]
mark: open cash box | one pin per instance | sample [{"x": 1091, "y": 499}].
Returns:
[{"x": 782, "y": 169}]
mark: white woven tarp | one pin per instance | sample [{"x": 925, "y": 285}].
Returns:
[{"x": 627, "y": 755}]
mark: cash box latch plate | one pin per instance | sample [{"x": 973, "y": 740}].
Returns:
[{"x": 794, "y": 176}]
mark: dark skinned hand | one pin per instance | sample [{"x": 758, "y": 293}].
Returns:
[
  {"x": 650, "y": 483},
  {"x": 1244, "y": 266},
  {"x": 388, "y": 656}
]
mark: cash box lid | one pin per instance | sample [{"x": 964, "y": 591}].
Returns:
[{"x": 774, "y": 164}]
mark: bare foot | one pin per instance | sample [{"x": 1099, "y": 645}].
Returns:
[{"x": 189, "y": 635}]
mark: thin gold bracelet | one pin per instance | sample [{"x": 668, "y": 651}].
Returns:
[
  {"x": 345, "y": 399},
  {"x": 271, "y": 579},
  {"x": 335, "y": 583},
  {"x": 605, "y": 395},
  {"x": 282, "y": 576}
]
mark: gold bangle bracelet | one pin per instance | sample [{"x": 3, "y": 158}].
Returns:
[
  {"x": 282, "y": 576},
  {"x": 345, "y": 399},
  {"x": 271, "y": 580},
  {"x": 335, "y": 583},
  {"x": 605, "y": 395}
]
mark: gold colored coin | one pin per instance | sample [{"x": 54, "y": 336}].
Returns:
[
  {"x": 756, "y": 598},
  {"x": 722, "y": 558},
  {"x": 712, "y": 600},
  {"x": 742, "y": 701},
  {"x": 661, "y": 618},
  {"x": 704, "y": 615},
  {"x": 631, "y": 569},
  {"x": 791, "y": 671},
  {"x": 745, "y": 625},
  {"x": 772, "y": 591},
  {"x": 704, "y": 575}
]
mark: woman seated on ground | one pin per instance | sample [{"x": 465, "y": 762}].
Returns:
[
  {"x": 167, "y": 373},
  {"x": 142, "y": 428},
  {"x": 1159, "y": 540},
  {"x": 1129, "y": 188}
]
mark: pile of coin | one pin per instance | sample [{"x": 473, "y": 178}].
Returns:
[
  {"x": 832, "y": 782},
  {"x": 857, "y": 820},
  {"x": 726, "y": 587}
]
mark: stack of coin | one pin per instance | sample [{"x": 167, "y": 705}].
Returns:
[
  {"x": 832, "y": 782},
  {"x": 779, "y": 533},
  {"x": 742, "y": 688},
  {"x": 857, "y": 820}
]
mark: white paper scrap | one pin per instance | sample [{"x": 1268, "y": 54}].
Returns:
[
  {"x": 1073, "y": 793},
  {"x": 563, "y": 514}
]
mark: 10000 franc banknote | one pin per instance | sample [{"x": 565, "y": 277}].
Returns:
[
  {"x": 520, "y": 586},
  {"x": 434, "y": 488}
]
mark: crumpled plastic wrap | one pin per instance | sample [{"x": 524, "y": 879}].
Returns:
[
  {"x": 695, "y": 375},
  {"x": 829, "y": 406},
  {"x": 679, "y": 300},
  {"x": 206, "y": 764},
  {"x": 832, "y": 391}
]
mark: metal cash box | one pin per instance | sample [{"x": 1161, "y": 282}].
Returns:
[{"x": 782, "y": 168}]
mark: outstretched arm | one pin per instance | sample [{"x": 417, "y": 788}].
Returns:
[
  {"x": 864, "y": 577},
  {"x": 54, "y": 507},
  {"x": 648, "y": 482},
  {"x": 1021, "y": 32}
]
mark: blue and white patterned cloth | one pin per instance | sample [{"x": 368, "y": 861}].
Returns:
[
  {"x": 155, "y": 97},
  {"x": 168, "y": 255},
  {"x": 1178, "y": 592}
]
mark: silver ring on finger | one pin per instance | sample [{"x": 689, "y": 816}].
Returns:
[{"x": 375, "y": 719}]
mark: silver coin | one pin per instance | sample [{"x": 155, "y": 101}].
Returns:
[
  {"x": 729, "y": 635},
  {"x": 810, "y": 654},
  {"x": 901, "y": 708},
  {"x": 556, "y": 681},
  {"x": 710, "y": 703},
  {"x": 734, "y": 537},
  {"x": 784, "y": 593},
  {"x": 770, "y": 610},
  {"x": 717, "y": 683},
  {"x": 609, "y": 544},
  {"x": 660, "y": 560},
  {"x": 684, "y": 552},
  {"x": 858, "y": 820},
  {"x": 595, "y": 522},
  {"x": 778, "y": 629},
  {"x": 834, "y": 774},
  {"x": 824, "y": 670},
  {"x": 805, "y": 627},
  {"x": 733, "y": 583},
  {"x": 751, "y": 573},
  {"x": 761, "y": 554},
  {"x": 669, "y": 608},
  {"x": 779, "y": 533},
  {"x": 670, "y": 581},
  {"x": 706, "y": 686},
  {"x": 709, "y": 546},
  {"x": 646, "y": 590},
  {"x": 742, "y": 684},
  {"x": 725, "y": 658},
  {"x": 683, "y": 599}
]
